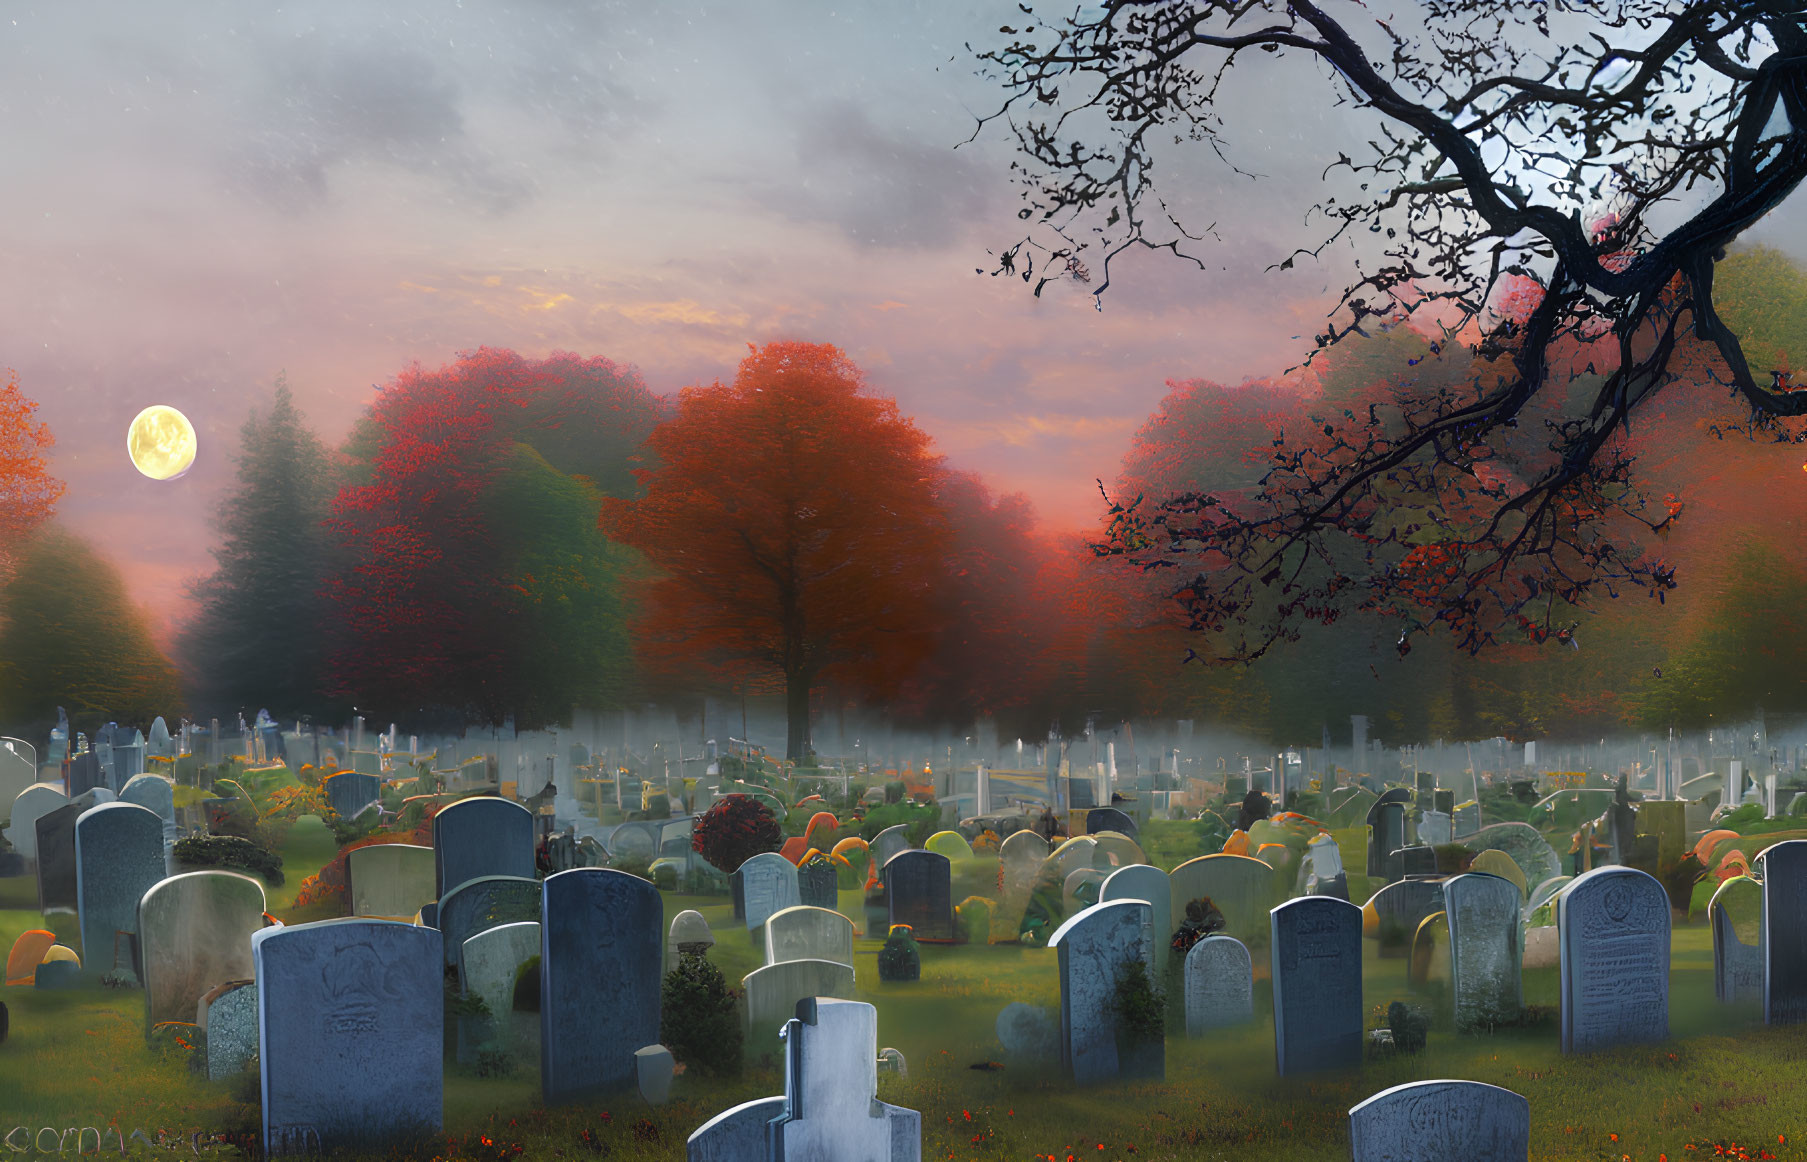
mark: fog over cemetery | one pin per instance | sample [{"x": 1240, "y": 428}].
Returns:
[{"x": 681, "y": 717}]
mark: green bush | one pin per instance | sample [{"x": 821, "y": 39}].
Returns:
[
  {"x": 229, "y": 851},
  {"x": 699, "y": 1017},
  {"x": 1410, "y": 1026},
  {"x": 901, "y": 957},
  {"x": 1140, "y": 1008}
]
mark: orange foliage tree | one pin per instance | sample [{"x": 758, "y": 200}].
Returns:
[
  {"x": 795, "y": 522},
  {"x": 28, "y": 493}
]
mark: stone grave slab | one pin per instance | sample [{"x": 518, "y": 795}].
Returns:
[
  {"x": 1093, "y": 947},
  {"x": 118, "y": 858},
  {"x": 773, "y": 993},
  {"x": 194, "y": 932},
  {"x": 28, "y": 806},
  {"x": 806, "y": 933},
  {"x": 600, "y": 934},
  {"x": 227, "y": 1013},
  {"x": 768, "y": 884},
  {"x": 1433, "y": 1121},
  {"x": 1150, "y": 885},
  {"x": 919, "y": 891},
  {"x": 484, "y": 903},
  {"x": 481, "y": 836},
  {"x": 390, "y": 880},
  {"x": 1240, "y": 886},
  {"x": 1317, "y": 981},
  {"x": 1613, "y": 925},
  {"x": 1219, "y": 985},
  {"x": 1784, "y": 941},
  {"x": 1485, "y": 950},
  {"x": 1736, "y": 916}
]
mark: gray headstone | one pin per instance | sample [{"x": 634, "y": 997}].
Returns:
[
  {"x": 600, "y": 938},
  {"x": 1485, "y": 951},
  {"x": 1094, "y": 946},
  {"x": 350, "y": 1017},
  {"x": 768, "y": 884},
  {"x": 30, "y": 805},
  {"x": 1613, "y": 924},
  {"x": 806, "y": 933},
  {"x": 118, "y": 858},
  {"x": 87, "y": 772},
  {"x": 1398, "y": 910},
  {"x": 653, "y": 1069},
  {"x": 1737, "y": 955},
  {"x": 1432, "y": 1121},
  {"x": 1785, "y": 932},
  {"x": 1021, "y": 855},
  {"x": 831, "y": 1084},
  {"x": 484, "y": 903},
  {"x": 741, "y": 1134},
  {"x": 1148, "y": 884},
  {"x": 1219, "y": 985},
  {"x": 350, "y": 792},
  {"x": 488, "y": 964},
  {"x": 390, "y": 880},
  {"x": 481, "y": 836},
  {"x": 1434, "y": 829},
  {"x": 1524, "y": 843},
  {"x": 1386, "y": 829},
  {"x": 152, "y": 792},
  {"x": 773, "y": 993},
  {"x": 889, "y": 842},
  {"x": 56, "y": 850},
  {"x": 194, "y": 932},
  {"x": 919, "y": 892},
  {"x": 1317, "y": 971},
  {"x": 817, "y": 884},
  {"x": 231, "y": 1020},
  {"x": 1029, "y": 1033},
  {"x": 1109, "y": 819},
  {"x": 16, "y": 773}
]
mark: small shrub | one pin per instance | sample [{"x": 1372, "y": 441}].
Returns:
[
  {"x": 901, "y": 957},
  {"x": 735, "y": 830},
  {"x": 1410, "y": 1025},
  {"x": 228, "y": 851},
  {"x": 1140, "y": 1008},
  {"x": 699, "y": 1018},
  {"x": 1202, "y": 919}
]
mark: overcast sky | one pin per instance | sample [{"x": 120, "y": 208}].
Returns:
[{"x": 198, "y": 196}]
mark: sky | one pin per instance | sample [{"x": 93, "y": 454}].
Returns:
[{"x": 201, "y": 196}]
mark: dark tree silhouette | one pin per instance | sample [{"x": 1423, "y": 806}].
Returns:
[{"x": 1550, "y": 188}]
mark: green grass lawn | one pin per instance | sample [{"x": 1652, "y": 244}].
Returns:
[{"x": 80, "y": 1058}]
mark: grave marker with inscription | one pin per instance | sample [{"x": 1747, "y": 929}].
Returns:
[
  {"x": 1317, "y": 973},
  {"x": 1438, "y": 1121},
  {"x": 1613, "y": 927}
]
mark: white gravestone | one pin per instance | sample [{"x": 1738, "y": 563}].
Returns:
[{"x": 1219, "y": 985}]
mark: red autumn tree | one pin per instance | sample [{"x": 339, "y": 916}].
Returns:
[
  {"x": 28, "y": 493},
  {"x": 795, "y": 522}
]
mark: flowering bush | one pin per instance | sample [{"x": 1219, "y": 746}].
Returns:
[{"x": 735, "y": 830}]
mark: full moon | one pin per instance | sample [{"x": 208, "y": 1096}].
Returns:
[{"x": 161, "y": 442}]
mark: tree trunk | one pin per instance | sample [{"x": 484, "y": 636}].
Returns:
[{"x": 796, "y": 712}]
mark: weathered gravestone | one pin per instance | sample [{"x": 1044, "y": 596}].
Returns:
[
  {"x": 85, "y": 772},
  {"x": 350, "y": 792},
  {"x": 1785, "y": 932},
  {"x": 56, "y": 850},
  {"x": 1317, "y": 974},
  {"x": 194, "y": 932},
  {"x": 1219, "y": 985},
  {"x": 1094, "y": 947},
  {"x": 16, "y": 773},
  {"x": 227, "y": 1015},
  {"x": 1435, "y": 1121},
  {"x": 1241, "y": 887},
  {"x": 481, "y": 836},
  {"x": 830, "y": 1109},
  {"x": 1020, "y": 856},
  {"x": 28, "y": 806},
  {"x": 806, "y": 933},
  {"x": 154, "y": 793},
  {"x": 599, "y": 980},
  {"x": 484, "y": 903},
  {"x": 1386, "y": 829},
  {"x": 1109, "y": 819},
  {"x": 817, "y": 885},
  {"x": 768, "y": 884},
  {"x": 1534, "y": 857},
  {"x": 1080, "y": 890},
  {"x": 390, "y": 880},
  {"x": 1736, "y": 915},
  {"x": 1434, "y": 829},
  {"x": 919, "y": 891},
  {"x": 1395, "y": 911},
  {"x": 1485, "y": 952},
  {"x": 118, "y": 858},
  {"x": 350, "y": 1017},
  {"x": 488, "y": 965},
  {"x": 1613, "y": 926},
  {"x": 773, "y": 991},
  {"x": 890, "y": 842},
  {"x": 1150, "y": 885}
]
